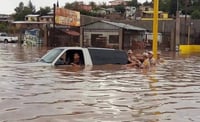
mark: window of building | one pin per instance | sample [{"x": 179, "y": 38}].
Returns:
[{"x": 114, "y": 39}]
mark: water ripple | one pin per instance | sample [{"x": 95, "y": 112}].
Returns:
[{"x": 168, "y": 93}]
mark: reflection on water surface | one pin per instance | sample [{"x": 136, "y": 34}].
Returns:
[{"x": 169, "y": 93}]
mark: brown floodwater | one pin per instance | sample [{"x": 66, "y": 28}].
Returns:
[{"x": 168, "y": 93}]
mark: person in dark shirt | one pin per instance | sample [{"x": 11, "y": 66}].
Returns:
[{"x": 76, "y": 60}]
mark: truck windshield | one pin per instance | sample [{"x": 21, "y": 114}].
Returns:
[
  {"x": 4, "y": 34},
  {"x": 51, "y": 55}
]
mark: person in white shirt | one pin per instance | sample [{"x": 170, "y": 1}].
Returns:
[{"x": 151, "y": 59}]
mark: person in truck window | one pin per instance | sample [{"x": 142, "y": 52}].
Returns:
[{"x": 76, "y": 61}]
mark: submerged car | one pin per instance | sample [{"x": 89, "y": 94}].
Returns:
[{"x": 87, "y": 56}]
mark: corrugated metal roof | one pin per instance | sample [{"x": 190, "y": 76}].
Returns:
[{"x": 125, "y": 26}]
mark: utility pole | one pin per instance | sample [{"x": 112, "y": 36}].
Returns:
[
  {"x": 155, "y": 28},
  {"x": 54, "y": 22},
  {"x": 177, "y": 35},
  {"x": 186, "y": 10}
]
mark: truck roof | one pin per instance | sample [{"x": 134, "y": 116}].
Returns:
[{"x": 84, "y": 48}]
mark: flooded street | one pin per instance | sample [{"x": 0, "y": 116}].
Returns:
[{"x": 169, "y": 93}]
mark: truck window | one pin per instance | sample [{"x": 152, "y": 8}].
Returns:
[
  {"x": 101, "y": 57},
  {"x": 51, "y": 55},
  {"x": 3, "y": 34},
  {"x": 68, "y": 57}
]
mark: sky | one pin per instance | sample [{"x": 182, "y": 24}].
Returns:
[{"x": 8, "y": 6}]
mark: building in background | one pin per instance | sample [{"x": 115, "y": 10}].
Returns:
[
  {"x": 111, "y": 34},
  {"x": 5, "y": 18},
  {"x": 86, "y": 7},
  {"x": 146, "y": 13},
  {"x": 46, "y": 18},
  {"x": 31, "y": 17},
  {"x": 118, "y": 2}
]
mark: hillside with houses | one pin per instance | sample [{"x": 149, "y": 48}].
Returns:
[{"x": 27, "y": 21}]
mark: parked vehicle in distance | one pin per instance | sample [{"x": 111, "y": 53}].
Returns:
[
  {"x": 88, "y": 56},
  {"x": 4, "y": 37}
]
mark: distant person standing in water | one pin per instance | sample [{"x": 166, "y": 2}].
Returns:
[
  {"x": 151, "y": 59},
  {"x": 132, "y": 60},
  {"x": 159, "y": 59},
  {"x": 130, "y": 56},
  {"x": 146, "y": 62}
]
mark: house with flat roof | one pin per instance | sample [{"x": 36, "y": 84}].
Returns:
[
  {"x": 46, "y": 18},
  {"x": 5, "y": 18},
  {"x": 146, "y": 13},
  {"x": 32, "y": 17}
]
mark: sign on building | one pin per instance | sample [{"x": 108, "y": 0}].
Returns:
[
  {"x": 32, "y": 37},
  {"x": 67, "y": 17}
]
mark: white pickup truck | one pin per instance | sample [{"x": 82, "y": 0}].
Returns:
[
  {"x": 88, "y": 56},
  {"x": 4, "y": 37}
]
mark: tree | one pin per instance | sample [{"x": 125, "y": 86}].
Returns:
[
  {"x": 68, "y": 6},
  {"x": 31, "y": 7},
  {"x": 164, "y": 5},
  {"x": 44, "y": 11},
  {"x": 74, "y": 6},
  {"x": 22, "y": 11},
  {"x": 195, "y": 14},
  {"x": 148, "y": 3},
  {"x": 3, "y": 27},
  {"x": 120, "y": 9},
  {"x": 133, "y": 3},
  {"x": 103, "y": 5},
  {"x": 193, "y": 6},
  {"x": 173, "y": 7},
  {"x": 27, "y": 11},
  {"x": 19, "y": 10},
  {"x": 93, "y": 4}
]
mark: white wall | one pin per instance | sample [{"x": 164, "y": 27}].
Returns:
[
  {"x": 87, "y": 35},
  {"x": 149, "y": 36}
]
